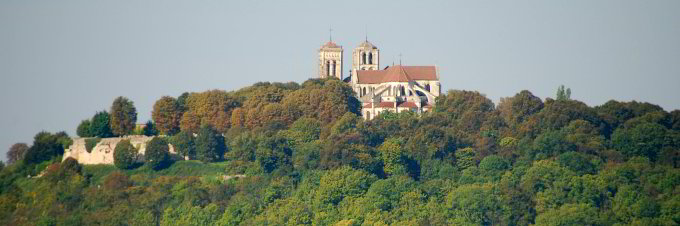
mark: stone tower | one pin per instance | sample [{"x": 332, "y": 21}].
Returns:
[
  {"x": 366, "y": 56},
  {"x": 330, "y": 60}
]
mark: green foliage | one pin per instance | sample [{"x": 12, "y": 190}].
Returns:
[
  {"x": 570, "y": 214},
  {"x": 465, "y": 158},
  {"x": 579, "y": 162},
  {"x": 645, "y": 139},
  {"x": 475, "y": 204},
  {"x": 85, "y": 129},
  {"x": 563, "y": 94},
  {"x": 520, "y": 107},
  {"x": 46, "y": 146},
  {"x": 90, "y": 143},
  {"x": 342, "y": 183},
  {"x": 183, "y": 143},
  {"x": 157, "y": 154},
  {"x": 494, "y": 163},
  {"x": 393, "y": 157},
  {"x": 300, "y": 155},
  {"x": 100, "y": 125},
  {"x": 125, "y": 155},
  {"x": 210, "y": 144},
  {"x": 123, "y": 116},
  {"x": 149, "y": 129}
]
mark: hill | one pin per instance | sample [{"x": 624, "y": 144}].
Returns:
[{"x": 303, "y": 155}]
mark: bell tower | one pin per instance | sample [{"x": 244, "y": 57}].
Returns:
[
  {"x": 330, "y": 60},
  {"x": 366, "y": 56}
]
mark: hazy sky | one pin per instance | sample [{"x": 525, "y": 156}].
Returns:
[{"x": 60, "y": 61}]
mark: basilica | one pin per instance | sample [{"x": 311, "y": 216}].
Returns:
[{"x": 394, "y": 88}]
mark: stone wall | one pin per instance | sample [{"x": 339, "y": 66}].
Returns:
[{"x": 102, "y": 153}]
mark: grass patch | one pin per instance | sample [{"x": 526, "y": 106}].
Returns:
[{"x": 90, "y": 143}]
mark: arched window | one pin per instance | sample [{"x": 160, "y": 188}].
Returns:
[
  {"x": 410, "y": 93},
  {"x": 364, "y": 90},
  {"x": 427, "y": 87},
  {"x": 333, "y": 68},
  {"x": 368, "y": 115},
  {"x": 328, "y": 68},
  {"x": 370, "y": 58},
  {"x": 363, "y": 58},
  {"x": 401, "y": 88}
]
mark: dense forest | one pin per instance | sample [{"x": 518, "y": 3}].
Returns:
[{"x": 291, "y": 154}]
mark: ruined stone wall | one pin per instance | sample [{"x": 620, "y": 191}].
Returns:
[{"x": 103, "y": 152}]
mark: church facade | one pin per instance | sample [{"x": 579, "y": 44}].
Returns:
[{"x": 395, "y": 88}]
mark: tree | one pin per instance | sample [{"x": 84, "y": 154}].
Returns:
[
  {"x": 167, "y": 113},
  {"x": 211, "y": 107},
  {"x": 150, "y": 129},
  {"x": 123, "y": 116},
  {"x": 563, "y": 94},
  {"x": 101, "y": 125},
  {"x": 125, "y": 155},
  {"x": 16, "y": 153},
  {"x": 341, "y": 183},
  {"x": 475, "y": 204},
  {"x": 569, "y": 214},
  {"x": 210, "y": 145},
  {"x": 157, "y": 154},
  {"x": 46, "y": 146},
  {"x": 644, "y": 139},
  {"x": 85, "y": 128},
  {"x": 518, "y": 108},
  {"x": 183, "y": 143}
]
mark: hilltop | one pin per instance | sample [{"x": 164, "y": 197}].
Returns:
[{"x": 289, "y": 154}]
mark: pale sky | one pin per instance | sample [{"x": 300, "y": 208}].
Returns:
[{"x": 61, "y": 61}]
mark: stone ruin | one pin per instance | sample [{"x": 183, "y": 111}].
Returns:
[{"x": 102, "y": 153}]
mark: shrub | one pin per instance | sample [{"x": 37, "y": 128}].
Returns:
[
  {"x": 125, "y": 155},
  {"x": 90, "y": 143},
  {"x": 71, "y": 164}
]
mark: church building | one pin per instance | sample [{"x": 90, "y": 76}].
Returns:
[{"x": 395, "y": 88}]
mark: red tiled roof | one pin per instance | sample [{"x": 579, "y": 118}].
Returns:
[
  {"x": 369, "y": 105},
  {"x": 386, "y": 104},
  {"x": 330, "y": 45},
  {"x": 397, "y": 73},
  {"x": 407, "y": 105}
]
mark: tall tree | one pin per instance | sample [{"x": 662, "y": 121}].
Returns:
[
  {"x": 101, "y": 125},
  {"x": 167, "y": 113},
  {"x": 563, "y": 94},
  {"x": 16, "y": 153},
  {"x": 123, "y": 116},
  {"x": 210, "y": 107},
  {"x": 45, "y": 146},
  {"x": 210, "y": 145},
  {"x": 184, "y": 144},
  {"x": 84, "y": 128},
  {"x": 150, "y": 129}
]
